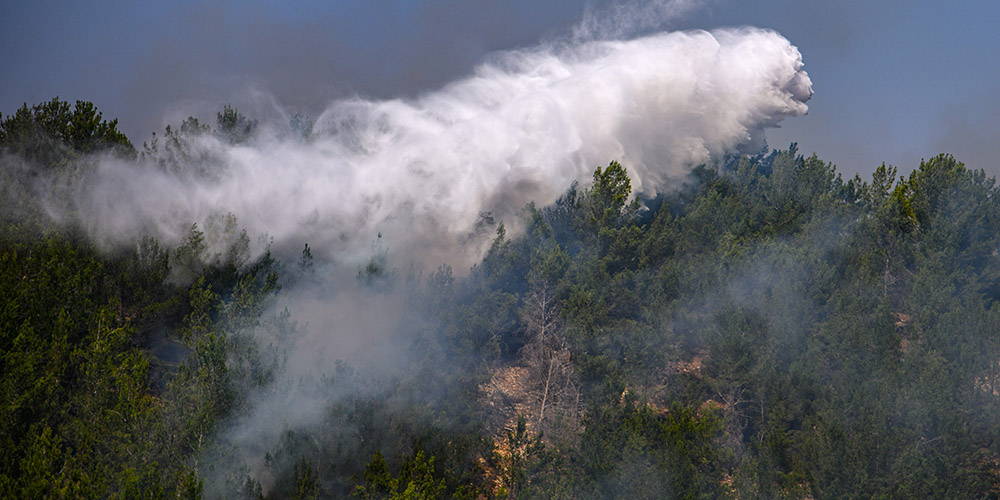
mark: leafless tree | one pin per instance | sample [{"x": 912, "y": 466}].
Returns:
[{"x": 552, "y": 382}]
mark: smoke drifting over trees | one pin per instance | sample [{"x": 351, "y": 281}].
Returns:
[
  {"x": 440, "y": 297},
  {"x": 420, "y": 171}
]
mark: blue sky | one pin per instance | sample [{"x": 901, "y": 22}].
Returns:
[{"x": 895, "y": 81}]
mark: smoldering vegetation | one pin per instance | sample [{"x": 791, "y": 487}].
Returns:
[{"x": 440, "y": 297}]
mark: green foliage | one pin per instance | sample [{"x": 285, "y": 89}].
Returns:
[
  {"x": 611, "y": 189},
  {"x": 376, "y": 273},
  {"x": 181, "y": 151},
  {"x": 814, "y": 308},
  {"x": 54, "y": 135},
  {"x": 191, "y": 149},
  {"x": 306, "y": 485},
  {"x": 416, "y": 480},
  {"x": 234, "y": 127}
]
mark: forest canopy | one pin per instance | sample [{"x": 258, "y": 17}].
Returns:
[{"x": 765, "y": 330}]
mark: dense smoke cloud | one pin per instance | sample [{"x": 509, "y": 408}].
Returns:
[{"x": 521, "y": 128}]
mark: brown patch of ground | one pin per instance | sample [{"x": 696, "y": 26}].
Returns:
[
  {"x": 692, "y": 366},
  {"x": 506, "y": 396}
]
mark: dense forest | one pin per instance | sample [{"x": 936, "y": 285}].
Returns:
[{"x": 765, "y": 330}]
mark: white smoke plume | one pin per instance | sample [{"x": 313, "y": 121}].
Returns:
[{"x": 521, "y": 128}]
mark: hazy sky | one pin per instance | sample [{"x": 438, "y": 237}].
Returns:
[{"x": 895, "y": 80}]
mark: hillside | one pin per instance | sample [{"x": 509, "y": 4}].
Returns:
[{"x": 764, "y": 329}]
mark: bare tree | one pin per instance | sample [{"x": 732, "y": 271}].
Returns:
[{"x": 552, "y": 382}]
